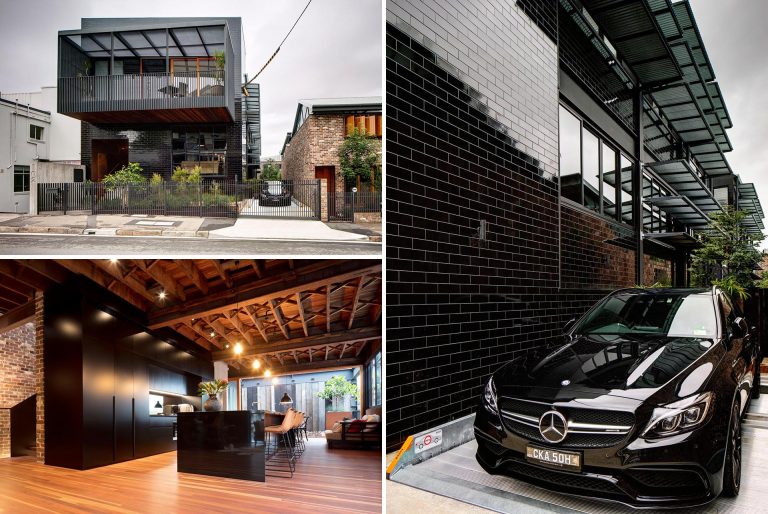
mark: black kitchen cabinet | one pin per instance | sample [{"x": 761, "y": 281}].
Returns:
[{"x": 97, "y": 382}]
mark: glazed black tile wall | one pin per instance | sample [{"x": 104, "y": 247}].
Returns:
[{"x": 472, "y": 136}]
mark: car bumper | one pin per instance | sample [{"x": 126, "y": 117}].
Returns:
[
  {"x": 275, "y": 201},
  {"x": 678, "y": 474}
]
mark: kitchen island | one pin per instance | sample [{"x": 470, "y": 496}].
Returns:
[{"x": 226, "y": 444}]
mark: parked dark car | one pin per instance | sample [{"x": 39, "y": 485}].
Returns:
[
  {"x": 275, "y": 193},
  {"x": 640, "y": 402}
]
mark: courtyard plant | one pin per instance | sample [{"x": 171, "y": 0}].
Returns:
[
  {"x": 728, "y": 255},
  {"x": 270, "y": 171},
  {"x": 337, "y": 389}
]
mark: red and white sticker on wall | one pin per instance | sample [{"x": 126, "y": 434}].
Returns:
[{"x": 428, "y": 441}]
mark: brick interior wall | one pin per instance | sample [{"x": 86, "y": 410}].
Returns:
[
  {"x": 316, "y": 143},
  {"x": 18, "y": 376},
  {"x": 656, "y": 269}
]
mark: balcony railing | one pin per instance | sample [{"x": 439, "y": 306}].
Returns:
[{"x": 140, "y": 92}]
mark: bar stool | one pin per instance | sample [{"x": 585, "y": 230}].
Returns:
[
  {"x": 298, "y": 441},
  {"x": 284, "y": 453}
]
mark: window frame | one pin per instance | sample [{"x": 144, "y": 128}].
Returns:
[
  {"x": 19, "y": 170},
  {"x": 602, "y": 140},
  {"x": 40, "y": 128}
]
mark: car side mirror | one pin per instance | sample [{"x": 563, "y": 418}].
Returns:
[
  {"x": 569, "y": 325},
  {"x": 739, "y": 328}
]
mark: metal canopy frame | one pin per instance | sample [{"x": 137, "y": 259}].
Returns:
[
  {"x": 638, "y": 31},
  {"x": 680, "y": 176},
  {"x": 142, "y": 41},
  {"x": 675, "y": 240},
  {"x": 682, "y": 208},
  {"x": 749, "y": 202}
]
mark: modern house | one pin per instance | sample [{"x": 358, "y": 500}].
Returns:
[
  {"x": 100, "y": 362},
  {"x": 34, "y": 145},
  {"x": 310, "y": 150},
  {"x": 539, "y": 155},
  {"x": 163, "y": 92}
]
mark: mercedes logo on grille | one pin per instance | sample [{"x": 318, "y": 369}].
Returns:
[{"x": 552, "y": 426}]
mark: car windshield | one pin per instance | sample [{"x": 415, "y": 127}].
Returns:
[{"x": 674, "y": 314}]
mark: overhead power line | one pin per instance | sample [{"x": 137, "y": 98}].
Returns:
[{"x": 245, "y": 91}]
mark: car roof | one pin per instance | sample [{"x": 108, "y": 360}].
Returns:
[{"x": 666, "y": 290}]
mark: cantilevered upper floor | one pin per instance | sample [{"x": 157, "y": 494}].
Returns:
[{"x": 150, "y": 70}]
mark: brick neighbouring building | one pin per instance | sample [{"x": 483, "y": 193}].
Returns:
[{"x": 311, "y": 148}]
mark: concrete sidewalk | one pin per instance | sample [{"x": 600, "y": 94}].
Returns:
[{"x": 181, "y": 226}]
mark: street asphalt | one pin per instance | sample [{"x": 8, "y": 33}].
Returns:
[{"x": 130, "y": 246}]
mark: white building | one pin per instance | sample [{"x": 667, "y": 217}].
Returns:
[
  {"x": 28, "y": 142},
  {"x": 64, "y": 140}
]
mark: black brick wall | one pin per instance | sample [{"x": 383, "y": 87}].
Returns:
[
  {"x": 472, "y": 107},
  {"x": 150, "y": 146}
]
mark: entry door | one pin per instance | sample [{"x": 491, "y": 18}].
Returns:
[
  {"x": 328, "y": 173},
  {"x": 107, "y": 156}
]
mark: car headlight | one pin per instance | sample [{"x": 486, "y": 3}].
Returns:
[
  {"x": 679, "y": 416},
  {"x": 489, "y": 397}
]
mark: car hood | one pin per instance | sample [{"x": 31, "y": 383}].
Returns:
[{"x": 630, "y": 367}]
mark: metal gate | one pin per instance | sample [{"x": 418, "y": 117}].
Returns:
[
  {"x": 343, "y": 206},
  {"x": 294, "y": 199}
]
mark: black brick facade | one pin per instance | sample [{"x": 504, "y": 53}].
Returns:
[{"x": 472, "y": 135}]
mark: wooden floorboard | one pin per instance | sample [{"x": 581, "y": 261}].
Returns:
[{"x": 342, "y": 481}]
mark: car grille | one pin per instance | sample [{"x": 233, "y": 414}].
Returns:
[
  {"x": 665, "y": 481},
  {"x": 612, "y": 427},
  {"x": 571, "y": 480}
]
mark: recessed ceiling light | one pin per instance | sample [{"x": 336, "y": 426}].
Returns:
[
  {"x": 238, "y": 348},
  {"x": 213, "y": 334},
  {"x": 162, "y": 295},
  {"x": 256, "y": 364},
  {"x": 267, "y": 373},
  {"x": 113, "y": 261},
  {"x": 226, "y": 346}
]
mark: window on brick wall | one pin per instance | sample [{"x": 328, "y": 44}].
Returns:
[
  {"x": 370, "y": 124},
  {"x": 593, "y": 172}
]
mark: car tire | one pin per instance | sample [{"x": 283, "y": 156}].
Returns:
[
  {"x": 732, "y": 469},
  {"x": 756, "y": 381}
]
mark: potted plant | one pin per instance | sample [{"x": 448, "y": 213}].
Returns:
[
  {"x": 219, "y": 58},
  {"x": 212, "y": 389},
  {"x": 337, "y": 389}
]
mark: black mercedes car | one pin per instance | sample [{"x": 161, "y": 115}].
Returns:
[{"x": 640, "y": 402}]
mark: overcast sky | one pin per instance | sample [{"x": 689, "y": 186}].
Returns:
[
  {"x": 335, "y": 50},
  {"x": 734, "y": 33}
]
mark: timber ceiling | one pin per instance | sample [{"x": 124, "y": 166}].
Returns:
[{"x": 290, "y": 315}]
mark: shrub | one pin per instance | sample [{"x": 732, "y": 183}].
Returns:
[
  {"x": 131, "y": 174},
  {"x": 184, "y": 176}
]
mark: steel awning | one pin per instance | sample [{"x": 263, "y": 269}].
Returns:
[
  {"x": 199, "y": 39},
  {"x": 682, "y": 208},
  {"x": 680, "y": 175},
  {"x": 638, "y": 30},
  {"x": 676, "y": 240}
]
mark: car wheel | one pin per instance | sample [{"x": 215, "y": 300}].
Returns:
[
  {"x": 756, "y": 381},
  {"x": 732, "y": 472}
]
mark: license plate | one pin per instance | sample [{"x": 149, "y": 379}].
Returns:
[{"x": 570, "y": 461}]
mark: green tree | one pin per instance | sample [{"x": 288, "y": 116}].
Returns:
[
  {"x": 360, "y": 156},
  {"x": 337, "y": 388},
  {"x": 728, "y": 254},
  {"x": 131, "y": 174},
  {"x": 270, "y": 171}
]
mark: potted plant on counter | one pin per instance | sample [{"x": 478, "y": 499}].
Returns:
[{"x": 212, "y": 389}]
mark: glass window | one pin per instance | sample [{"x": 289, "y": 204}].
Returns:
[
  {"x": 35, "y": 132},
  {"x": 626, "y": 190},
  {"x": 570, "y": 155},
  {"x": 610, "y": 175},
  {"x": 21, "y": 179},
  {"x": 373, "y": 387},
  {"x": 591, "y": 163}
]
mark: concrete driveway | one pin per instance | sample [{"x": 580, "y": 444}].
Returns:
[{"x": 271, "y": 228}]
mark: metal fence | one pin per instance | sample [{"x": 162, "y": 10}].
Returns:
[
  {"x": 343, "y": 206},
  {"x": 205, "y": 199}
]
